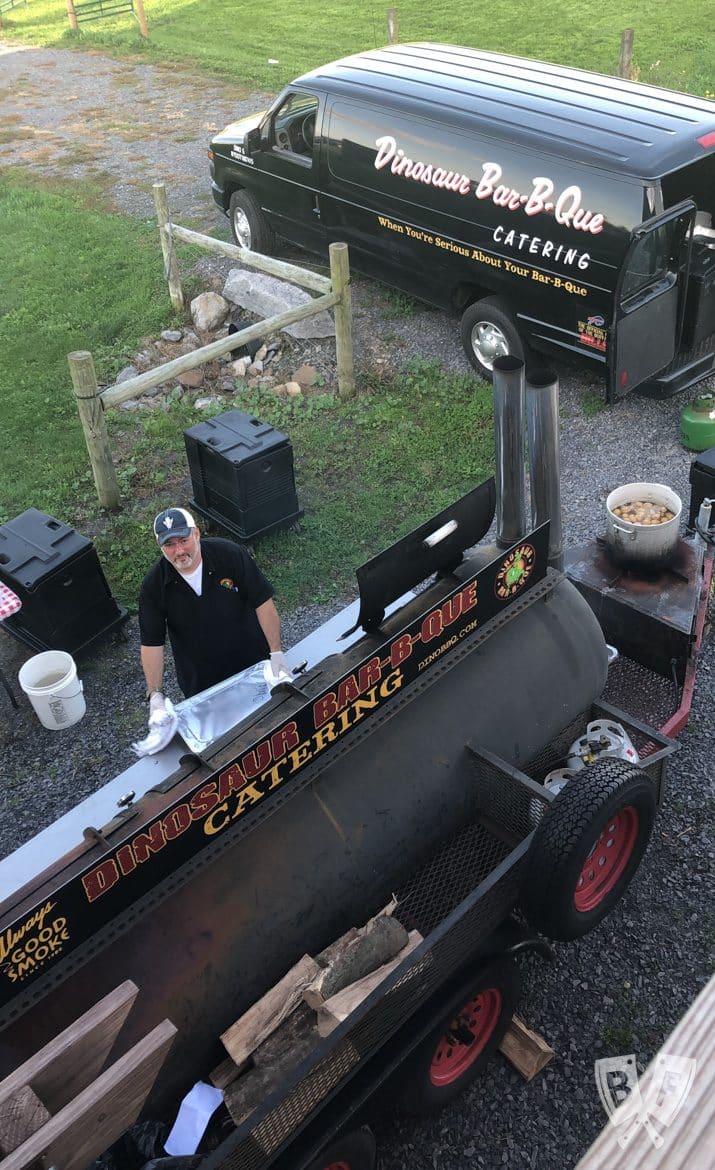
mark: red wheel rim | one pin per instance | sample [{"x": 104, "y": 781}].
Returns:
[
  {"x": 466, "y": 1037},
  {"x": 607, "y": 860}
]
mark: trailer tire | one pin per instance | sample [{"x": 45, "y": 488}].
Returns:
[
  {"x": 488, "y": 331},
  {"x": 354, "y": 1151},
  {"x": 249, "y": 226},
  {"x": 587, "y": 848},
  {"x": 445, "y": 1062}
]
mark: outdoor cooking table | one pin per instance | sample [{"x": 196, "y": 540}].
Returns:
[{"x": 9, "y": 604}]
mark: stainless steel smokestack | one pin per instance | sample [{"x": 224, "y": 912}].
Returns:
[
  {"x": 542, "y": 409},
  {"x": 509, "y": 440}
]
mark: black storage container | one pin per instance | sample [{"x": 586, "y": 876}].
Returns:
[
  {"x": 702, "y": 480},
  {"x": 242, "y": 474},
  {"x": 66, "y": 601}
]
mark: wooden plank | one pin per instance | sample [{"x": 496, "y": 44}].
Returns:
[
  {"x": 525, "y": 1049},
  {"x": 101, "y": 1113},
  {"x": 334, "y": 1010},
  {"x": 21, "y": 1115},
  {"x": 65, "y": 1066},
  {"x": 688, "y": 1143},
  {"x": 255, "y": 1025}
]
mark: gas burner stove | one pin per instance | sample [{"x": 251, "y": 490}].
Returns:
[
  {"x": 649, "y": 617},
  {"x": 685, "y": 567}
]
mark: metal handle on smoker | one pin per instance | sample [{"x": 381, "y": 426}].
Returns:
[{"x": 440, "y": 534}]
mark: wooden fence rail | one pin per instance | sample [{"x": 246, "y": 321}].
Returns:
[{"x": 334, "y": 293}]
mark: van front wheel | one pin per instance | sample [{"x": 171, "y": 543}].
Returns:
[
  {"x": 248, "y": 224},
  {"x": 488, "y": 332}
]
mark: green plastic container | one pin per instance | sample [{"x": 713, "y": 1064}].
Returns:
[{"x": 697, "y": 423}]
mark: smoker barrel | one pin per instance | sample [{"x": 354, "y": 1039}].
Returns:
[{"x": 328, "y": 855}]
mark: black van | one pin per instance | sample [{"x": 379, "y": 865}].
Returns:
[{"x": 550, "y": 207}]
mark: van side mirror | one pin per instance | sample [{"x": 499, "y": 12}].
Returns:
[{"x": 253, "y": 140}]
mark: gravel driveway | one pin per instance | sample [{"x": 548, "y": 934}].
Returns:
[{"x": 620, "y": 990}]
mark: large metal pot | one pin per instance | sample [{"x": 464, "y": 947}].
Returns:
[{"x": 643, "y": 546}]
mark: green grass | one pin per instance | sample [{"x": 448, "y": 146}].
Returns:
[
  {"x": 73, "y": 278},
  {"x": 367, "y": 471},
  {"x": 236, "y": 39}
]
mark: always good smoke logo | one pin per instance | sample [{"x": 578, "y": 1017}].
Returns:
[
  {"x": 630, "y": 1109},
  {"x": 25, "y": 948}
]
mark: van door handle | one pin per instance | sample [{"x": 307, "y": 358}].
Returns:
[{"x": 316, "y": 206}]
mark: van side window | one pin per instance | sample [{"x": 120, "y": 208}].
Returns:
[
  {"x": 650, "y": 261},
  {"x": 292, "y": 128}
]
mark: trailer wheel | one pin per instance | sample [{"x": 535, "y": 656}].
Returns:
[
  {"x": 354, "y": 1151},
  {"x": 456, "y": 1051},
  {"x": 587, "y": 848},
  {"x": 488, "y": 331},
  {"x": 249, "y": 226}
]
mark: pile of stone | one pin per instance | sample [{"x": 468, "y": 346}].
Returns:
[{"x": 249, "y": 366}]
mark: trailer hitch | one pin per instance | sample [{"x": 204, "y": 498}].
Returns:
[{"x": 538, "y": 945}]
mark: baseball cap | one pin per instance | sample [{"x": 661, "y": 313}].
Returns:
[{"x": 173, "y": 522}]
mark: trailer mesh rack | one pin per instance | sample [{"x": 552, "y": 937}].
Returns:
[{"x": 456, "y": 900}]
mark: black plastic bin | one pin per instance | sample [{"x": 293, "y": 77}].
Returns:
[
  {"x": 242, "y": 474},
  {"x": 66, "y": 601}
]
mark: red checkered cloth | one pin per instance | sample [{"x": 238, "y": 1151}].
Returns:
[{"x": 9, "y": 602}]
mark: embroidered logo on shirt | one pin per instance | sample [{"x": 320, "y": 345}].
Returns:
[{"x": 227, "y": 583}]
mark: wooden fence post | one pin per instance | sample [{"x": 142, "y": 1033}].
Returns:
[
  {"x": 91, "y": 413},
  {"x": 625, "y": 59},
  {"x": 141, "y": 17},
  {"x": 72, "y": 15},
  {"x": 171, "y": 264},
  {"x": 340, "y": 276},
  {"x": 392, "y": 33}
]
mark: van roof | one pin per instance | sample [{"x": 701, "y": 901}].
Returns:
[{"x": 635, "y": 129}]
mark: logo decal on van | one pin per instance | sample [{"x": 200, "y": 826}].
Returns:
[{"x": 566, "y": 205}]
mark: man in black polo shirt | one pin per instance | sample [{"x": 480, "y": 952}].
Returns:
[{"x": 215, "y": 604}]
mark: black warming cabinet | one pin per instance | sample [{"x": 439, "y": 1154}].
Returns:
[
  {"x": 66, "y": 601},
  {"x": 242, "y": 474}
]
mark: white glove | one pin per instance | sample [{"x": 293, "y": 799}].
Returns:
[
  {"x": 163, "y": 722},
  {"x": 157, "y": 708},
  {"x": 279, "y": 664},
  {"x": 277, "y": 670}
]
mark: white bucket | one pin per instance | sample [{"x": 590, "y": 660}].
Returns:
[{"x": 50, "y": 682}]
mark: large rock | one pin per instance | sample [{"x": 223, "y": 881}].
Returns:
[
  {"x": 208, "y": 311},
  {"x": 267, "y": 297}
]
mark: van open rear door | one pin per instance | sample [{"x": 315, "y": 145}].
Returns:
[{"x": 650, "y": 298}]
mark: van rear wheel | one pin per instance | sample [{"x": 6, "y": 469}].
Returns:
[
  {"x": 249, "y": 226},
  {"x": 488, "y": 332}
]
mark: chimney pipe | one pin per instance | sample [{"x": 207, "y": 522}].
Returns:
[
  {"x": 509, "y": 440},
  {"x": 542, "y": 408}
]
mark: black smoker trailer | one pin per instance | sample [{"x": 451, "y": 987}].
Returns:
[{"x": 411, "y": 763}]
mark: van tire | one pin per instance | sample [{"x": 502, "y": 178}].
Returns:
[
  {"x": 249, "y": 226},
  {"x": 488, "y": 331}
]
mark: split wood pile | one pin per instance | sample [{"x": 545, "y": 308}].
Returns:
[{"x": 282, "y": 1028}]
